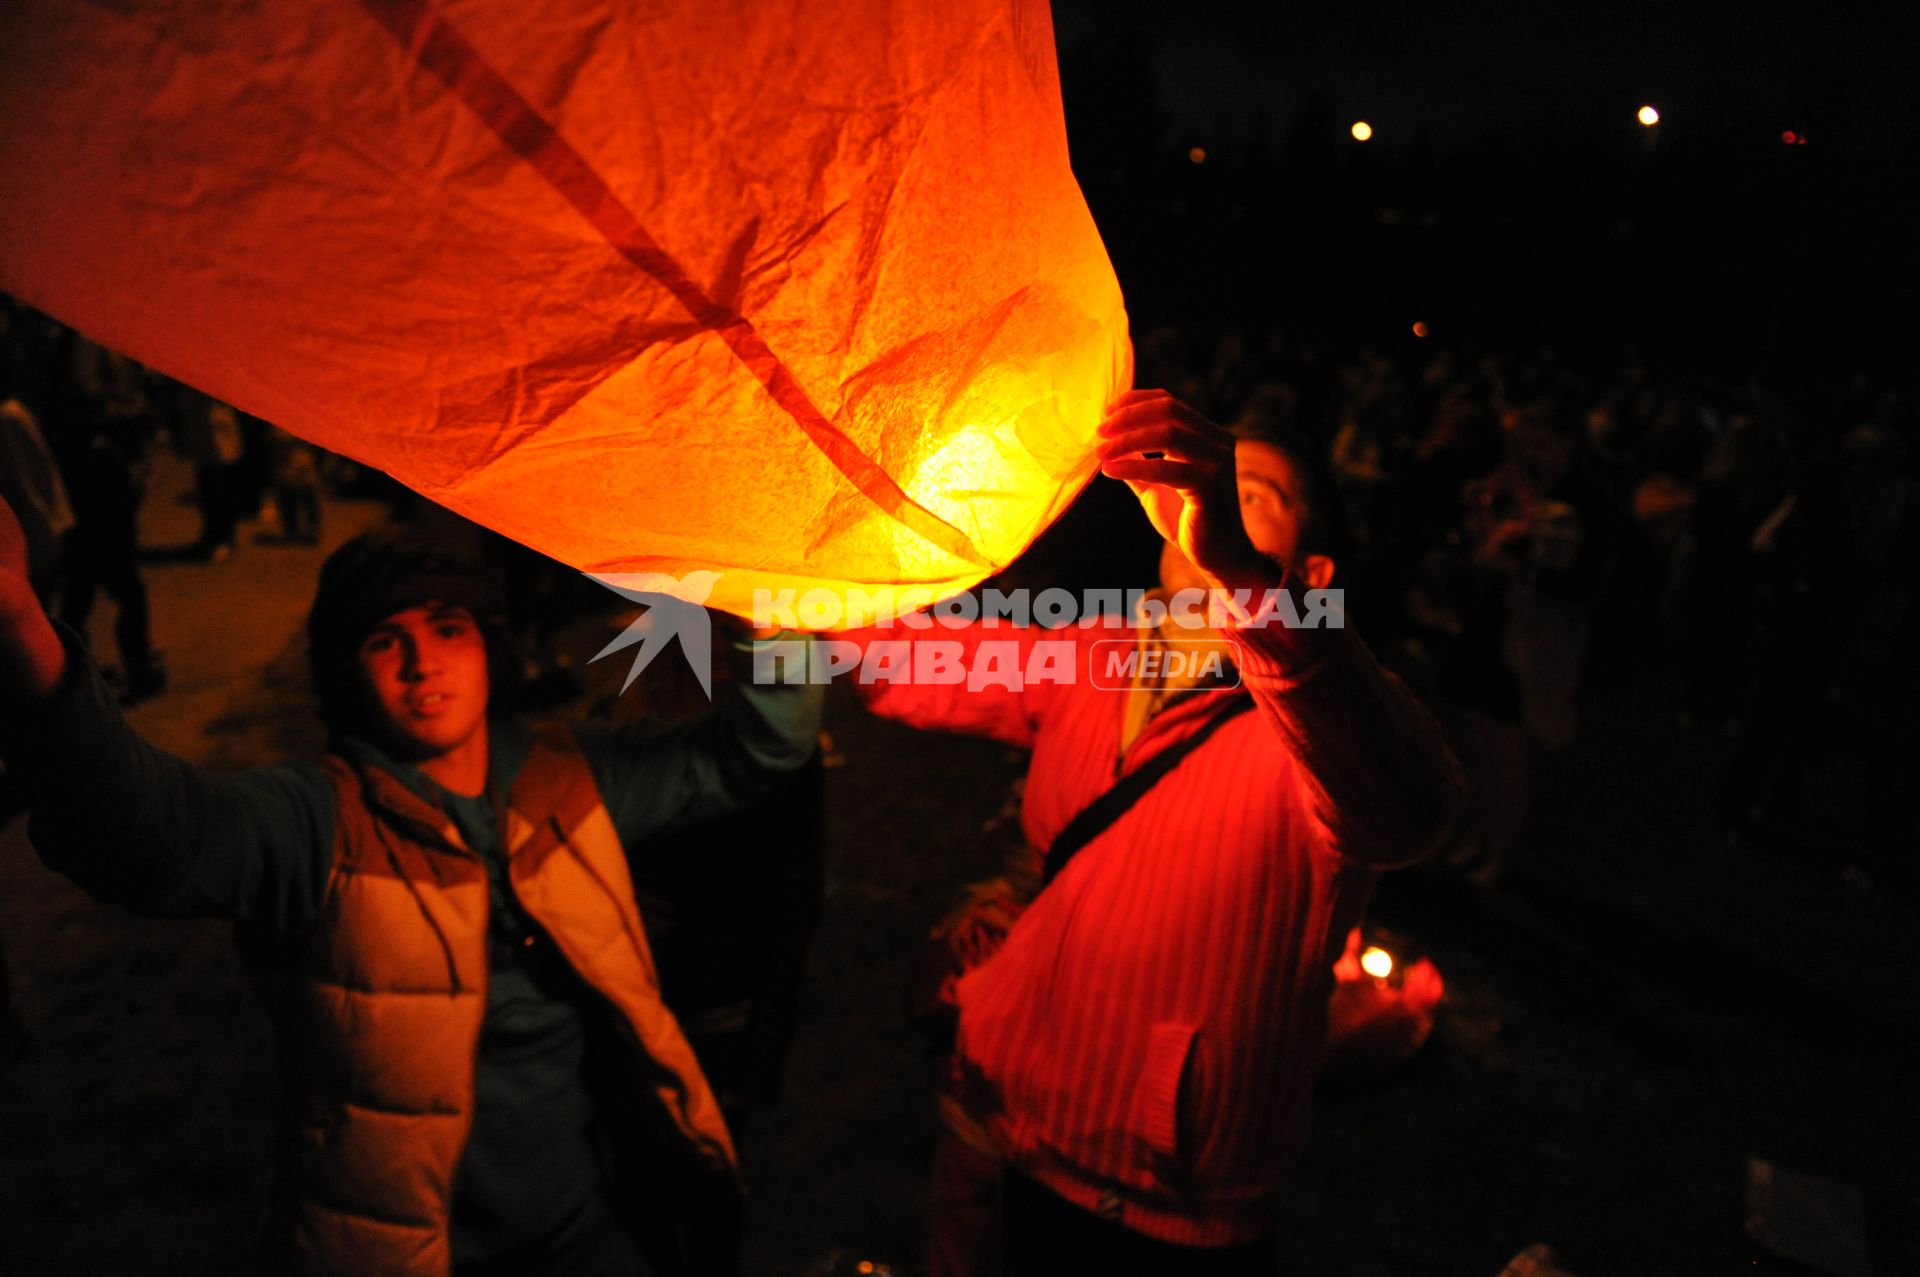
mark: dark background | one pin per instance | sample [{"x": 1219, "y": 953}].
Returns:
[
  {"x": 1508, "y": 191},
  {"x": 1649, "y": 1001}
]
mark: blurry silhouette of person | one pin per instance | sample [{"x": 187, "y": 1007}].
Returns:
[
  {"x": 1532, "y": 558},
  {"x": 101, "y": 451},
  {"x": 208, "y": 435},
  {"x": 295, "y": 483}
]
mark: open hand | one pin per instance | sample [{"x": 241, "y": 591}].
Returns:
[
  {"x": 15, "y": 589},
  {"x": 31, "y": 658},
  {"x": 1181, "y": 466}
]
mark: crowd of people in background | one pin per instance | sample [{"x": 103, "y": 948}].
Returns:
[
  {"x": 1524, "y": 525},
  {"x": 1519, "y": 526},
  {"x": 82, "y": 422},
  {"x": 1516, "y": 528}
]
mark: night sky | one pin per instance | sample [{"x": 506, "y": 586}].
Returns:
[
  {"x": 1508, "y": 192},
  {"x": 1463, "y": 72}
]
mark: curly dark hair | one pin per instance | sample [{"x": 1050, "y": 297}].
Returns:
[{"x": 390, "y": 570}]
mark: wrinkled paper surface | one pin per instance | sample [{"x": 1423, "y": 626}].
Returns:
[{"x": 802, "y": 293}]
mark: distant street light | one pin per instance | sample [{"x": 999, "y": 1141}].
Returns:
[
  {"x": 1648, "y": 116},
  {"x": 1361, "y": 130}
]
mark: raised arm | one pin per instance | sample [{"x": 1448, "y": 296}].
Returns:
[
  {"x": 31, "y": 656},
  {"x": 1383, "y": 782},
  {"x": 132, "y": 823},
  {"x": 653, "y": 780},
  {"x": 984, "y": 689}
]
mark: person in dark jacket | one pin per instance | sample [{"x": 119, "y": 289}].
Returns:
[{"x": 472, "y": 1001}]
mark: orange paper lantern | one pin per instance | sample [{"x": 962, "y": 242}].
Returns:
[{"x": 801, "y": 293}]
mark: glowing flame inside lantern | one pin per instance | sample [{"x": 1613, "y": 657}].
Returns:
[{"x": 1377, "y": 963}]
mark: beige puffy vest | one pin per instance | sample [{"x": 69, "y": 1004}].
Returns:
[{"x": 385, "y": 1009}]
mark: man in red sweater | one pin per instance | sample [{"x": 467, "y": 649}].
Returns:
[{"x": 1142, "y": 1049}]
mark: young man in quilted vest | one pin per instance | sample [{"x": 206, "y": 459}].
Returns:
[{"x": 472, "y": 1003}]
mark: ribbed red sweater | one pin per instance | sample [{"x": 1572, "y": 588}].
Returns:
[{"x": 1146, "y": 1042}]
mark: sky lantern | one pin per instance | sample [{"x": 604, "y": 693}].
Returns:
[{"x": 801, "y": 294}]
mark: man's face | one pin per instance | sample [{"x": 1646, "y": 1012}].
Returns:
[
  {"x": 1270, "y": 501},
  {"x": 1272, "y": 508},
  {"x": 427, "y": 670}
]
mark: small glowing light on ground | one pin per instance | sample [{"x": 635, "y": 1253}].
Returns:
[
  {"x": 1420, "y": 328},
  {"x": 1361, "y": 130},
  {"x": 1377, "y": 963},
  {"x": 1198, "y": 155},
  {"x": 1648, "y": 116}
]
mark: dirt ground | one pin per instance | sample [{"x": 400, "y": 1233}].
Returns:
[{"x": 1648, "y": 1007}]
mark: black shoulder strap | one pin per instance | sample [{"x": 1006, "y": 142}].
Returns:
[{"x": 1097, "y": 815}]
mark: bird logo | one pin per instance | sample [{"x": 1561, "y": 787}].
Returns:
[{"x": 674, "y": 608}]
